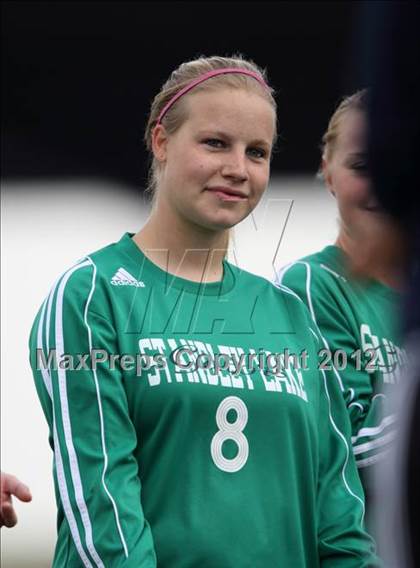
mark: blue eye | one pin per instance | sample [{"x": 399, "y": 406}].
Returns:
[
  {"x": 214, "y": 143},
  {"x": 257, "y": 153}
]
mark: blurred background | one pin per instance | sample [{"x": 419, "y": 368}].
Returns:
[
  {"x": 77, "y": 82},
  {"x": 78, "y": 77}
]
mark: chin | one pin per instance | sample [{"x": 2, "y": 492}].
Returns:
[
  {"x": 216, "y": 227},
  {"x": 222, "y": 223},
  {"x": 228, "y": 219},
  {"x": 218, "y": 220}
]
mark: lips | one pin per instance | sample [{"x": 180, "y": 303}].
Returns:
[{"x": 227, "y": 193}]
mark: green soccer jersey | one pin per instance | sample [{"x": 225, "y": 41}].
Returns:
[
  {"x": 357, "y": 322},
  {"x": 182, "y": 436}
]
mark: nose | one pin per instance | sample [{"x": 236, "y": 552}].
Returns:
[{"x": 235, "y": 166}]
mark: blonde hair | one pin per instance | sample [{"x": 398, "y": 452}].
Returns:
[
  {"x": 357, "y": 101},
  {"x": 184, "y": 74}
]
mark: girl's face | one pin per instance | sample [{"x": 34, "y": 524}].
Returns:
[
  {"x": 346, "y": 172},
  {"x": 215, "y": 167}
]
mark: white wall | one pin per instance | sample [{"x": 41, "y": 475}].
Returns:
[{"x": 45, "y": 228}]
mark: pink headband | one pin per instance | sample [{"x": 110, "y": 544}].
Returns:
[{"x": 204, "y": 77}]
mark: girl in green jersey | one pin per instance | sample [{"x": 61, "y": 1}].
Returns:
[
  {"x": 355, "y": 317},
  {"x": 190, "y": 424}
]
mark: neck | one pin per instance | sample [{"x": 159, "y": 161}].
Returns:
[
  {"x": 345, "y": 243},
  {"x": 361, "y": 266},
  {"x": 182, "y": 248}
]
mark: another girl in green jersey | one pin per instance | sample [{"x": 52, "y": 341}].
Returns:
[
  {"x": 356, "y": 317},
  {"x": 190, "y": 424}
]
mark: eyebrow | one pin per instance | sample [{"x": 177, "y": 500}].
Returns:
[{"x": 358, "y": 155}]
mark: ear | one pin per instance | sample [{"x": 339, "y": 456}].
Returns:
[
  {"x": 159, "y": 143},
  {"x": 326, "y": 173}
]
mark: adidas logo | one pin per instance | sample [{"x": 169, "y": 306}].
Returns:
[{"x": 124, "y": 278}]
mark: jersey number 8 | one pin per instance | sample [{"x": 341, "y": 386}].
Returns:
[{"x": 230, "y": 431}]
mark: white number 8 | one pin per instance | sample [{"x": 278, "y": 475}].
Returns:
[{"x": 230, "y": 431}]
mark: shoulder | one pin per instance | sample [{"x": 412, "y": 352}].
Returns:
[
  {"x": 92, "y": 266},
  {"x": 249, "y": 281},
  {"x": 86, "y": 281},
  {"x": 268, "y": 292},
  {"x": 322, "y": 270}
]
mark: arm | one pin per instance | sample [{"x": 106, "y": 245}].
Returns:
[
  {"x": 342, "y": 539},
  {"x": 10, "y": 485},
  {"x": 92, "y": 435},
  {"x": 364, "y": 408}
]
